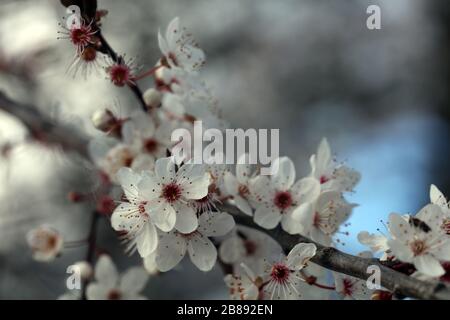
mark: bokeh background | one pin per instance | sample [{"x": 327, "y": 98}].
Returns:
[{"x": 310, "y": 68}]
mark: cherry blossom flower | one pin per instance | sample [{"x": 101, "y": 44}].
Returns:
[
  {"x": 202, "y": 252},
  {"x": 332, "y": 176},
  {"x": 169, "y": 191},
  {"x": 179, "y": 48},
  {"x": 150, "y": 263},
  {"x": 45, "y": 242},
  {"x": 135, "y": 217},
  {"x": 248, "y": 246},
  {"x": 321, "y": 220},
  {"x": 282, "y": 277},
  {"x": 351, "y": 288},
  {"x": 121, "y": 72},
  {"x": 239, "y": 186},
  {"x": 376, "y": 242},
  {"x": 85, "y": 63},
  {"x": 244, "y": 286},
  {"x": 420, "y": 241},
  {"x": 436, "y": 197},
  {"x": 279, "y": 199},
  {"x": 110, "y": 285}
]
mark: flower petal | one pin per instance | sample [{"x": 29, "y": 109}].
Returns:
[
  {"x": 267, "y": 217},
  {"x": 133, "y": 280},
  {"x": 284, "y": 177},
  {"x": 147, "y": 240},
  {"x": 106, "y": 272},
  {"x": 428, "y": 265},
  {"x": 202, "y": 252},
  {"x": 306, "y": 190},
  {"x": 300, "y": 255},
  {"x": 215, "y": 224},
  {"x": 162, "y": 215},
  {"x": 171, "y": 249},
  {"x": 186, "y": 221}
]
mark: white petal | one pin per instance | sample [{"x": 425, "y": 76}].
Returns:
[
  {"x": 202, "y": 252},
  {"x": 284, "y": 178},
  {"x": 323, "y": 157},
  {"x": 442, "y": 252},
  {"x": 306, "y": 190},
  {"x": 344, "y": 179},
  {"x": 428, "y": 265},
  {"x": 163, "y": 44},
  {"x": 215, "y": 224},
  {"x": 243, "y": 168},
  {"x": 289, "y": 224},
  {"x": 243, "y": 205},
  {"x": 147, "y": 240},
  {"x": 232, "y": 250},
  {"x": 171, "y": 249},
  {"x": 399, "y": 227},
  {"x": 432, "y": 215},
  {"x": 300, "y": 255},
  {"x": 129, "y": 181},
  {"x": 97, "y": 291},
  {"x": 165, "y": 169},
  {"x": 133, "y": 280},
  {"x": 106, "y": 272},
  {"x": 195, "y": 188},
  {"x": 186, "y": 221},
  {"x": 143, "y": 162},
  {"x": 401, "y": 250},
  {"x": 304, "y": 215},
  {"x": 150, "y": 263},
  {"x": 261, "y": 188},
  {"x": 267, "y": 217},
  {"x": 231, "y": 183},
  {"x": 149, "y": 188},
  {"x": 437, "y": 197},
  {"x": 162, "y": 215}
]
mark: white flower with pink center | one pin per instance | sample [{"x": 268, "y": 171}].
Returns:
[
  {"x": 282, "y": 278},
  {"x": 169, "y": 191},
  {"x": 238, "y": 187},
  {"x": 110, "y": 285},
  {"x": 45, "y": 242},
  {"x": 420, "y": 240},
  {"x": 351, "y": 288},
  {"x": 179, "y": 48},
  {"x": 321, "y": 219},
  {"x": 436, "y": 197},
  {"x": 248, "y": 246},
  {"x": 133, "y": 216},
  {"x": 202, "y": 252},
  {"x": 332, "y": 175},
  {"x": 244, "y": 285},
  {"x": 280, "y": 199}
]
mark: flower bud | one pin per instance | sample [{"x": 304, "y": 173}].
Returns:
[
  {"x": 104, "y": 120},
  {"x": 152, "y": 98}
]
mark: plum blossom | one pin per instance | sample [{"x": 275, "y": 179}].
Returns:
[
  {"x": 420, "y": 241},
  {"x": 238, "y": 187},
  {"x": 45, "y": 242},
  {"x": 179, "y": 48},
  {"x": 250, "y": 247},
  {"x": 169, "y": 191},
  {"x": 332, "y": 176},
  {"x": 351, "y": 288},
  {"x": 202, "y": 252},
  {"x": 110, "y": 285},
  {"x": 321, "y": 219},
  {"x": 244, "y": 286},
  {"x": 134, "y": 216},
  {"x": 280, "y": 199}
]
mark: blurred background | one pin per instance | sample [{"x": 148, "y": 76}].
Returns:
[{"x": 310, "y": 68}]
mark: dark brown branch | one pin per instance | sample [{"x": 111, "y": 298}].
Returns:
[
  {"x": 333, "y": 259},
  {"x": 92, "y": 240}
]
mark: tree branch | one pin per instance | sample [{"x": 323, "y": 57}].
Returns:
[
  {"x": 327, "y": 257},
  {"x": 333, "y": 259},
  {"x": 44, "y": 129}
]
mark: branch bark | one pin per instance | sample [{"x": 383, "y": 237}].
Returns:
[{"x": 327, "y": 257}]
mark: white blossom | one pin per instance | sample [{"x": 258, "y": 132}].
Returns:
[
  {"x": 45, "y": 242},
  {"x": 279, "y": 199},
  {"x": 420, "y": 242},
  {"x": 110, "y": 285},
  {"x": 332, "y": 176},
  {"x": 179, "y": 48}
]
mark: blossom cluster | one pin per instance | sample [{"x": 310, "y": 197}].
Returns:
[{"x": 168, "y": 208}]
